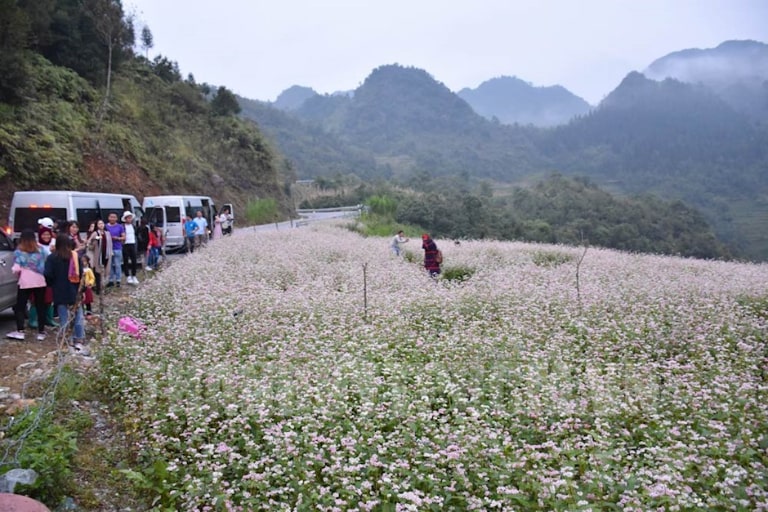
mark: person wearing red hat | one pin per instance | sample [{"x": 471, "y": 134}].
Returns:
[{"x": 431, "y": 255}]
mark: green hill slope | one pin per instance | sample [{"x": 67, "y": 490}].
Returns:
[{"x": 153, "y": 133}]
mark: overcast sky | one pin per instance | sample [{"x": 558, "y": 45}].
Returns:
[{"x": 258, "y": 48}]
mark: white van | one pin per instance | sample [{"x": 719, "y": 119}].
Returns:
[
  {"x": 168, "y": 212},
  {"x": 27, "y": 207}
]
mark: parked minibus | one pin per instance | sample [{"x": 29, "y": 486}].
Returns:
[
  {"x": 28, "y": 206},
  {"x": 168, "y": 212}
]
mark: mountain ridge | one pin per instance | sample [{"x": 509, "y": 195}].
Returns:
[
  {"x": 511, "y": 100},
  {"x": 679, "y": 140},
  {"x": 735, "y": 70}
]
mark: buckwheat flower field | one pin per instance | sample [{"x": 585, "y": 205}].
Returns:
[{"x": 265, "y": 381}]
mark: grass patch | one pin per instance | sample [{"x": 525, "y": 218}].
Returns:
[
  {"x": 550, "y": 258},
  {"x": 758, "y": 306},
  {"x": 457, "y": 273},
  {"x": 77, "y": 458}
]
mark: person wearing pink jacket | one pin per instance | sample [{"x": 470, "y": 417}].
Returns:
[{"x": 29, "y": 265}]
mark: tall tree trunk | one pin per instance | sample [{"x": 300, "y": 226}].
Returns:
[{"x": 108, "y": 90}]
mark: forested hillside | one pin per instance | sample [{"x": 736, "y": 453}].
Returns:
[
  {"x": 79, "y": 109},
  {"x": 556, "y": 209},
  {"x": 675, "y": 140},
  {"x": 313, "y": 151}
]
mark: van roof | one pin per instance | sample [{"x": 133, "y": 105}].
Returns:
[{"x": 80, "y": 192}]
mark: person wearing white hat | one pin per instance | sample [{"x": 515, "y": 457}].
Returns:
[
  {"x": 129, "y": 249},
  {"x": 46, "y": 222}
]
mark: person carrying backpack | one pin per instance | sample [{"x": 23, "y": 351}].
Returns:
[
  {"x": 433, "y": 258},
  {"x": 63, "y": 274}
]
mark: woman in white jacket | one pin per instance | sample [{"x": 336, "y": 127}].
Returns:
[
  {"x": 397, "y": 240},
  {"x": 99, "y": 252}
]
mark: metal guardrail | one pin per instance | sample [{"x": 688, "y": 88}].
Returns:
[{"x": 355, "y": 208}]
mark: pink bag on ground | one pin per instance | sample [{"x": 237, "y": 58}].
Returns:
[{"x": 131, "y": 326}]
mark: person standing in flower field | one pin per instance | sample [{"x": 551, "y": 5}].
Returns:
[
  {"x": 432, "y": 255},
  {"x": 398, "y": 240}
]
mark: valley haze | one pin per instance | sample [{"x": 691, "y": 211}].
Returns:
[{"x": 259, "y": 49}]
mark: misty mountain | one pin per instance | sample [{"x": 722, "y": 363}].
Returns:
[
  {"x": 677, "y": 140},
  {"x": 293, "y": 97},
  {"x": 737, "y": 71},
  {"x": 511, "y": 100},
  {"x": 674, "y": 139},
  {"x": 412, "y": 122}
]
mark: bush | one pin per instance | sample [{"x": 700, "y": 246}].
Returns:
[
  {"x": 47, "y": 441},
  {"x": 261, "y": 211},
  {"x": 457, "y": 273},
  {"x": 550, "y": 258}
]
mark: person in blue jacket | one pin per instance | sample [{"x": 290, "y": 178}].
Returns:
[{"x": 190, "y": 227}]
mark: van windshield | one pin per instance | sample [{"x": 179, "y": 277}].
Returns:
[{"x": 26, "y": 218}]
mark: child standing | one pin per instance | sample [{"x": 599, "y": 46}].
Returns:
[
  {"x": 89, "y": 280},
  {"x": 153, "y": 250}
]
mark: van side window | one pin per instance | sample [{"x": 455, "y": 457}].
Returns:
[
  {"x": 173, "y": 213},
  {"x": 26, "y": 218},
  {"x": 85, "y": 216}
]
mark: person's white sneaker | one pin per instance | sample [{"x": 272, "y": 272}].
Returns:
[
  {"x": 135, "y": 280},
  {"x": 149, "y": 269},
  {"x": 15, "y": 335},
  {"x": 41, "y": 336}
]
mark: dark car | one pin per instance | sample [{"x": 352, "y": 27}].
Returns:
[{"x": 8, "y": 280}]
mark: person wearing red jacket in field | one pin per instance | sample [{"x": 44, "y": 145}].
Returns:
[{"x": 432, "y": 258}]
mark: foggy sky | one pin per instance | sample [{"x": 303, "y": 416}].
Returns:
[{"x": 259, "y": 48}]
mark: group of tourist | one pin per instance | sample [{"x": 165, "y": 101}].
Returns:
[
  {"x": 433, "y": 258},
  {"x": 50, "y": 266},
  {"x": 197, "y": 230},
  {"x": 59, "y": 269}
]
